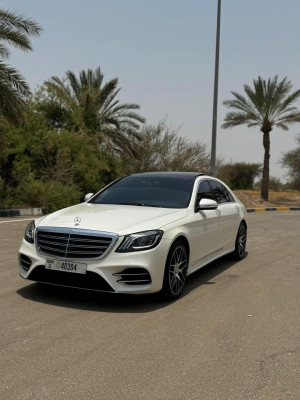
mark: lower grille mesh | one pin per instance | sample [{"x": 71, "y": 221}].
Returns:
[{"x": 90, "y": 280}]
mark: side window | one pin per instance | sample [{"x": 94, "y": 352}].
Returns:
[
  {"x": 205, "y": 191},
  {"x": 219, "y": 191},
  {"x": 229, "y": 197}
]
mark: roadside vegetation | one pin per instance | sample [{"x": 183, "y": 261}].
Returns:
[
  {"x": 73, "y": 135},
  {"x": 291, "y": 161}
]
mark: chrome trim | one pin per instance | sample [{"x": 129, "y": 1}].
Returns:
[
  {"x": 127, "y": 274},
  {"x": 76, "y": 231},
  {"x": 148, "y": 281}
]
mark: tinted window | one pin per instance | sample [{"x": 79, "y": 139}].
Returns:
[
  {"x": 205, "y": 191},
  {"x": 219, "y": 191},
  {"x": 153, "y": 192},
  {"x": 229, "y": 197}
]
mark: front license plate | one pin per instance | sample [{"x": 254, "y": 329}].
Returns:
[{"x": 66, "y": 266}]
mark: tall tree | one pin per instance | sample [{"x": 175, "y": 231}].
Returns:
[
  {"x": 15, "y": 30},
  {"x": 269, "y": 104},
  {"x": 88, "y": 104}
]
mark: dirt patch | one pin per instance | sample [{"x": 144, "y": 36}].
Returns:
[{"x": 251, "y": 199}]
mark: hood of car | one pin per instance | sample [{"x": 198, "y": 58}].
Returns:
[{"x": 120, "y": 219}]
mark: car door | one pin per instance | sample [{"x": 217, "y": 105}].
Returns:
[
  {"x": 228, "y": 215},
  {"x": 203, "y": 229}
]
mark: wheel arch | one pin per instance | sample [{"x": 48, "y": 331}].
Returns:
[
  {"x": 243, "y": 221},
  {"x": 183, "y": 239}
]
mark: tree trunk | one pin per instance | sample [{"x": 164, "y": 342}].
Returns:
[{"x": 266, "y": 169}]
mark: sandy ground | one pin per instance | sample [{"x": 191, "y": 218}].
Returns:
[{"x": 251, "y": 198}]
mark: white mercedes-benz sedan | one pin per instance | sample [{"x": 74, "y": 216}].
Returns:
[{"x": 143, "y": 233}]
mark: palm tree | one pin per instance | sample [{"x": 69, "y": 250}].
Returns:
[
  {"x": 15, "y": 30},
  {"x": 269, "y": 104},
  {"x": 85, "y": 104}
]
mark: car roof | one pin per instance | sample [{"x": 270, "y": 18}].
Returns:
[{"x": 168, "y": 174}]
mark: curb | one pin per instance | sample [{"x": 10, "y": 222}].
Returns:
[
  {"x": 23, "y": 212},
  {"x": 273, "y": 209}
]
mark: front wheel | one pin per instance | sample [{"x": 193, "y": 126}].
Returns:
[
  {"x": 175, "y": 271},
  {"x": 240, "y": 242}
]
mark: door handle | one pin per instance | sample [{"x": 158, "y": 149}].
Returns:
[{"x": 218, "y": 213}]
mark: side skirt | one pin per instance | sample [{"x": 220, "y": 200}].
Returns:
[{"x": 208, "y": 259}]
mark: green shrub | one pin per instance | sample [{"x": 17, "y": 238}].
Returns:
[
  {"x": 51, "y": 195},
  {"x": 239, "y": 176}
]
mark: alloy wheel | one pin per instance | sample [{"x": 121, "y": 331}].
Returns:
[
  {"x": 177, "y": 269},
  {"x": 241, "y": 241}
]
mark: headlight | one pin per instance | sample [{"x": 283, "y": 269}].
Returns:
[
  {"x": 29, "y": 232},
  {"x": 140, "y": 241}
]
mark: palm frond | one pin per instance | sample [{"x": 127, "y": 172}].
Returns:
[
  {"x": 275, "y": 99},
  {"x": 11, "y": 104},
  {"x": 252, "y": 124},
  {"x": 239, "y": 103},
  {"x": 12, "y": 76},
  {"x": 62, "y": 92},
  {"x": 282, "y": 125},
  {"x": 20, "y": 22},
  {"x": 287, "y": 102},
  {"x": 238, "y": 118},
  {"x": 15, "y": 38},
  {"x": 256, "y": 97},
  {"x": 83, "y": 79},
  {"x": 98, "y": 78},
  {"x": 4, "y": 52},
  {"x": 74, "y": 83},
  {"x": 108, "y": 101},
  {"x": 108, "y": 93},
  {"x": 289, "y": 118}
]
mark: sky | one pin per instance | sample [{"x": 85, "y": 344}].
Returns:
[{"x": 163, "y": 53}]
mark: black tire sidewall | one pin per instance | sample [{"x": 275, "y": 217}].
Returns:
[
  {"x": 236, "y": 251},
  {"x": 166, "y": 291}
]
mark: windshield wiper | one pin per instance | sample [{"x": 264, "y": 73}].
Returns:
[{"x": 139, "y": 204}]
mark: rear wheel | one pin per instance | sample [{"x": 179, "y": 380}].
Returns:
[
  {"x": 240, "y": 243},
  {"x": 175, "y": 271}
]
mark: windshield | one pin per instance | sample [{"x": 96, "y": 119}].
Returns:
[{"x": 148, "y": 192}]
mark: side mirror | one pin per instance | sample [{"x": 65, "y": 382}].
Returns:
[
  {"x": 88, "y": 196},
  {"x": 207, "y": 204}
]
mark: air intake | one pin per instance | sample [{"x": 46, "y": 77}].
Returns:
[
  {"x": 25, "y": 262},
  {"x": 134, "y": 276}
]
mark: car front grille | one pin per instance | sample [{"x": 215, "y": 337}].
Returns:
[
  {"x": 134, "y": 276},
  {"x": 74, "y": 243}
]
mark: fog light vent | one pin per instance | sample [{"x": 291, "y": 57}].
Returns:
[
  {"x": 25, "y": 262},
  {"x": 134, "y": 276}
]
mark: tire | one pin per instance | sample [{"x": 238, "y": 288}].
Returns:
[
  {"x": 240, "y": 242},
  {"x": 175, "y": 271}
]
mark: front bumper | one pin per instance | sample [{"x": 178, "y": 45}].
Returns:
[{"x": 103, "y": 274}]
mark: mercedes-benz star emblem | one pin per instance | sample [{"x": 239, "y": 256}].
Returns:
[{"x": 77, "y": 221}]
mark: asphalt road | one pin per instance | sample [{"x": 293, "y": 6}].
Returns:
[{"x": 234, "y": 334}]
